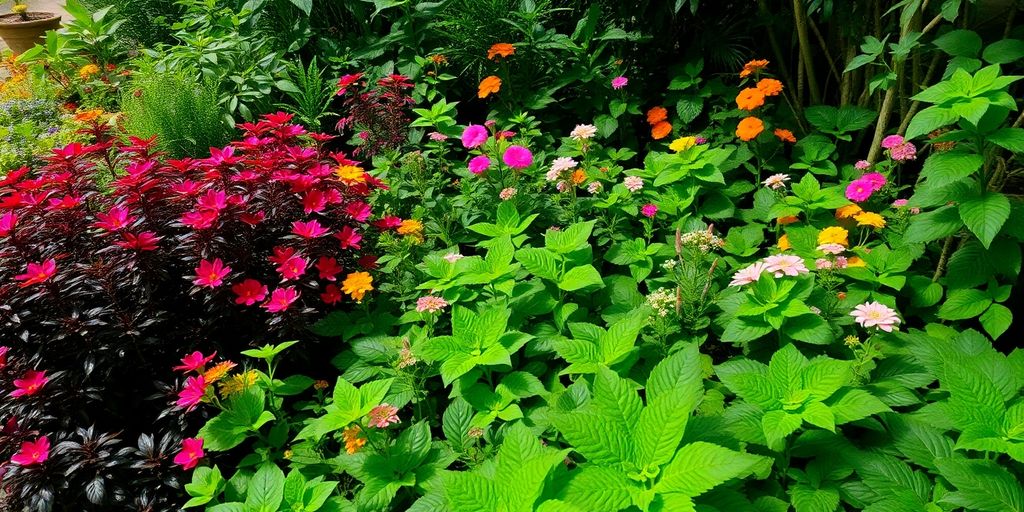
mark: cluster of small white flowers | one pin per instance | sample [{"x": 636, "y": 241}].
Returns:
[
  {"x": 702, "y": 240},
  {"x": 669, "y": 264},
  {"x": 661, "y": 301}
]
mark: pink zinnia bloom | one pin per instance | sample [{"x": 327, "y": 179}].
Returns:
[
  {"x": 281, "y": 299},
  {"x": 899, "y": 203},
  {"x": 892, "y": 141},
  {"x": 517, "y": 157},
  {"x": 30, "y": 384},
  {"x": 862, "y": 165},
  {"x": 479, "y": 164},
  {"x": 328, "y": 268},
  {"x": 7, "y": 223},
  {"x": 748, "y": 275},
  {"x": 191, "y": 452},
  {"x": 348, "y": 237},
  {"x": 831, "y": 248},
  {"x": 36, "y": 273},
  {"x": 292, "y": 268},
  {"x": 649, "y": 210},
  {"x": 633, "y": 183},
  {"x": 841, "y": 261},
  {"x": 875, "y": 179},
  {"x": 785, "y": 265},
  {"x": 211, "y": 274},
  {"x": 249, "y": 292},
  {"x": 903, "y": 152},
  {"x": 859, "y": 190},
  {"x": 383, "y": 415},
  {"x": 359, "y": 211},
  {"x": 430, "y": 304},
  {"x": 192, "y": 393},
  {"x": 822, "y": 264},
  {"x": 619, "y": 82},
  {"x": 194, "y": 362},
  {"x": 311, "y": 229},
  {"x": 32, "y": 452},
  {"x": 875, "y": 314},
  {"x": 473, "y": 136}
]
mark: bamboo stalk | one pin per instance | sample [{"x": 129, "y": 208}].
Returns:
[{"x": 800, "y": 17}]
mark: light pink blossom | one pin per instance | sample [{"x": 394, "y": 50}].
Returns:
[
  {"x": 776, "y": 181},
  {"x": 430, "y": 304},
  {"x": 785, "y": 265},
  {"x": 748, "y": 275},
  {"x": 633, "y": 183},
  {"x": 383, "y": 415},
  {"x": 876, "y": 314}
]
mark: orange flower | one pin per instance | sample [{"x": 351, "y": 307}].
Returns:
[
  {"x": 353, "y": 442},
  {"x": 488, "y": 86},
  {"x": 502, "y": 49},
  {"x": 784, "y": 244},
  {"x": 357, "y": 284},
  {"x": 788, "y": 219},
  {"x": 845, "y": 212},
  {"x": 88, "y": 115},
  {"x": 656, "y": 115},
  {"x": 749, "y": 99},
  {"x": 218, "y": 372},
  {"x": 749, "y": 128},
  {"x": 439, "y": 59},
  {"x": 661, "y": 130},
  {"x": 769, "y": 86},
  {"x": 578, "y": 177},
  {"x": 350, "y": 174},
  {"x": 753, "y": 67},
  {"x": 785, "y": 135}
]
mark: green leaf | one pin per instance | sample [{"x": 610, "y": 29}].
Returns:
[
  {"x": 950, "y": 166},
  {"x": 996, "y": 320},
  {"x": 933, "y": 225},
  {"x": 581, "y": 277},
  {"x": 265, "y": 490},
  {"x": 689, "y": 107},
  {"x": 304, "y": 5},
  {"x": 929, "y": 120},
  {"x": 1004, "y": 51},
  {"x": 963, "y": 304},
  {"x": 981, "y": 485},
  {"x": 541, "y": 262},
  {"x": 699, "y": 467},
  {"x": 1011, "y": 139},
  {"x": 778, "y": 425},
  {"x": 851, "y": 404},
  {"x": 815, "y": 499},
  {"x": 985, "y": 215},
  {"x": 594, "y": 487},
  {"x": 570, "y": 239},
  {"x": 959, "y": 43}
]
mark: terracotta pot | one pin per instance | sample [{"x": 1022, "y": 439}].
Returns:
[{"x": 22, "y": 35}]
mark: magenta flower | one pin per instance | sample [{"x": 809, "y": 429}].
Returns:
[
  {"x": 249, "y": 292},
  {"x": 3, "y": 357},
  {"x": 876, "y": 180},
  {"x": 899, "y": 203},
  {"x": 876, "y": 314},
  {"x": 859, "y": 190},
  {"x": 192, "y": 393},
  {"x": 213, "y": 200},
  {"x": 194, "y": 362},
  {"x": 892, "y": 141},
  {"x": 383, "y": 415},
  {"x": 32, "y": 453},
  {"x": 649, "y": 210},
  {"x": 479, "y": 164},
  {"x": 292, "y": 268},
  {"x": 619, "y": 82},
  {"x": 474, "y": 136},
  {"x": 30, "y": 384},
  {"x": 36, "y": 273},
  {"x": 517, "y": 157},
  {"x": 281, "y": 299},
  {"x": 348, "y": 237},
  {"x": 7, "y": 223},
  {"x": 211, "y": 274},
  {"x": 311, "y": 229},
  {"x": 191, "y": 452}
]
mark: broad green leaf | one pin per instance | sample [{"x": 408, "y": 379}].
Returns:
[
  {"x": 933, "y": 225},
  {"x": 580, "y": 277},
  {"x": 699, "y": 467},
  {"x": 778, "y": 425},
  {"x": 981, "y": 485},
  {"x": 964, "y": 304},
  {"x": 929, "y": 120},
  {"x": 266, "y": 489},
  {"x": 985, "y": 215},
  {"x": 541, "y": 262},
  {"x": 1004, "y": 51},
  {"x": 959, "y": 43},
  {"x": 851, "y": 404},
  {"x": 996, "y": 320},
  {"x": 950, "y": 166},
  {"x": 594, "y": 487}
]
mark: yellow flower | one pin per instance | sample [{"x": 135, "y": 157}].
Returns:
[
  {"x": 350, "y": 174},
  {"x": 288, "y": 454},
  {"x": 784, "y": 244},
  {"x": 87, "y": 116},
  {"x": 218, "y": 372},
  {"x": 87, "y": 71},
  {"x": 238, "y": 383},
  {"x": 870, "y": 219},
  {"x": 848, "y": 211},
  {"x": 357, "y": 284},
  {"x": 19, "y": 8},
  {"x": 411, "y": 227},
  {"x": 682, "y": 144},
  {"x": 352, "y": 440},
  {"x": 834, "y": 235},
  {"x": 855, "y": 261},
  {"x": 578, "y": 177}
]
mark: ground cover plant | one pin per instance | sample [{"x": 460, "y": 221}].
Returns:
[{"x": 519, "y": 256}]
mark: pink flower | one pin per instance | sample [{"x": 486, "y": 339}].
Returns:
[
  {"x": 199, "y": 219},
  {"x": 213, "y": 200},
  {"x": 194, "y": 362},
  {"x": 903, "y": 152},
  {"x": 292, "y": 268},
  {"x": 359, "y": 211},
  {"x": 211, "y": 274},
  {"x": 822, "y": 264},
  {"x": 899, "y": 203},
  {"x": 875, "y": 314},
  {"x": 841, "y": 261},
  {"x": 281, "y": 299},
  {"x": 785, "y": 265},
  {"x": 649, "y": 210},
  {"x": 474, "y": 136},
  {"x": 3, "y": 357},
  {"x": 517, "y": 157},
  {"x": 862, "y": 165},
  {"x": 7, "y": 223},
  {"x": 479, "y": 164},
  {"x": 36, "y": 273},
  {"x": 859, "y": 190},
  {"x": 191, "y": 452},
  {"x": 30, "y": 384},
  {"x": 192, "y": 393},
  {"x": 33, "y": 452},
  {"x": 311, "y": 229},
  {"x": 507, "y": 193},
  {"x": 348, "y": 237},
  {"x": 776, "y": 181},
  {"x": 249, "y": 292},
  {"x": 560, "y": 165},
  {"x": 437, "y": 136},
  {"x": 633, "y": 183},
  {"x": 748, "y": 275},
  {"x": 892, "y": 141},
  {"x": 831, "y": 248},
  {"x": 875, "y": 179},
  {"x": 383, "y": 415},
  {"x": 430, "y": 304},
  {"x": 619, "y": 82}
]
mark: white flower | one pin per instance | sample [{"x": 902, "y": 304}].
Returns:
[
  {"x": 453, "y": 257},
  {"x": 583, "y": 132},
  {"x": 633, "y": 183},
  {"x": 562, "y": 163},
  {"x": 776, "y": 181}
]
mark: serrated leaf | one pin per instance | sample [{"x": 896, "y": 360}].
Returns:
[
  {"x": 985, "y": 215},
  {"x": 996, "y": 320},
  {"x": 699, "y": 467},
  {"x": 981, "y": 485}
]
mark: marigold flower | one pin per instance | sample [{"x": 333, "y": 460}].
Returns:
[
  {"x": 357, "y": 284},
  {"x": 578, "y": 177},
  {"x": 350, "y": 174},
  {"x": 834, "y": 235},
  {"x": 748, "y": 275},
  {"x": 876, "y": 314},
  {"x": 33, "y": 452},
  {"x": 784, "y": 244},
  {"x": 656, "y": 115},
  {"x": 848, "y": 211},
  {"x": 870, "y": 219},
  {"x": 661, "y": 130},
  {"x": 89, "y": 116},
  {"x": 211, "y": 274},
  {"x": 785, "y": 135},
  {"x": 87, "y": 71},
  {"x": 749, "y": 99},
  {"x": 36, "y": 273},
  {"x": 352, "y": 440},
  {"x": 30, "y": 384},
  {"x": 769, "y": 86},
  {"x": 411, "y": 227},
  {"x": 749, "y": 128},
  {"x": 218, "y": 371},
  {"x": 752, "y": 67},
  {"x": 501, "y": 49},
  {"x": 488, "y": 86},
  {"x": 682, "y": 144},
  {"x": 190, "y": 454}
]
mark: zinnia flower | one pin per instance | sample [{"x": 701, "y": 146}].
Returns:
[
  {"x": 834, "y": 235},
  {"x": 87, "y": 71},
  {"x": 194, "y": 362},
  {"x": 748, "y": 275},
  {"x": 862, "y": 165},
  {"x": 633, "y": 183},
  {"x": 875, "y": 179},
  {"x": 656, "y": 115},
  {"x": 875, "y": 314},
  {"x": 328, "y": 268},
  {"x": 473, "y": 136},
  {"x": 357, "y": 284},
  {"x": 583, "y": 132},
  {"x": 785, "y": 265},
  {"x": 785, "y": 135},
  {"x": 892, "y": 141},
  {"x": 430, "y": 304},
  {"x": 776, "y": 181},
  {"x": 191, "y": 452},
  {"x": 562, "y": 163},
  {"x": 749, "y": 128},
  {"x": 594, "y": 187},
  {"x": 859, "y": 190},
  {"x": 517, "y": 157},
  {"x": 383, "y": 415},
  {"x": 661, "y": 130},
  {"x": 32, "y": 452},
  {"x": 749, "y": 99},
  {"x": 619, "y": 82},
  {"x": 488, "y": 86},
  {"x": 769, "y": 86},
  {"x": 249, "y": 292},
  {"x": 36, "y": 273},
  {"x": 831, "y": 248},
  {"x": 500, "y": 49},
  {"x": 752, "y": 67},
  {"x": 784, "y": 244},
  {"x": 281, "y": 299},
  {"x": 649, "y": 210},
  {"x": 350, "y": 174},
  {"x": 411, "y": 227},
  {"x": 848, "y": 211},
  {"x": 30, "y": 384},
  {"x": 479, "y": 164},
  {"x": 870, "y": 219},
  {"x": 211, "y": 274},
  {"x": 192, "y": 393}
]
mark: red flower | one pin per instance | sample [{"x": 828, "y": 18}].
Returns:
[
  {"x": 114, "y": 220},
  {"x": 368, "y": 261},
  {"x": 3, "y": 357},
  {"x": 11, "y": 201},
  {"x": 346, "y": 81},
  {"x": 331, "y": 294},
  {"x": 30, "y": 384},
  {"x": 311, "y": 229},
  {"x": 145, "y": 241},
  {"x": 313, "y": 201},
  {"x": 37, "y": 273},
  {"x": 211, "y": 275},
  {"x": 388, "y": 222},
  {"x": 219, "y": 157},
  {"x": 253, "y": 218},
  {"x": 293, "y": 267},
  {"x": 281, "y": 299},
  {"x": 348, "y": 237},
  {"x": 199, "y": 220},
  {"x": 359, "y": 211},
  {"x": 194, "y": 362},
  {"x": 278, "y": 118},
  {"x": 185, "y": 188},
  {"x": 33, "y": 452},
  {"x": 249, "y": 292},
  {"x": 65, "y": 203},
  {"x": 7, "y": 223},
  {"x": 328, "y": 267},
  {"x": 13, "y": 176},
  {"x": 191, "y": 452},
  {"x": 192, "y": 393},
  {"x": 213, "y": 200},
  {"x": 281, "y": 255}
]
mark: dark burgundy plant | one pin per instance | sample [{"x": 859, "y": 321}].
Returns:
[
  {"x": 115, "y": 260},
  {"x": 379, "y": 113}
]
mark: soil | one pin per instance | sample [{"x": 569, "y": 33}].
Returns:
[{"x": 14, "y": 19}]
